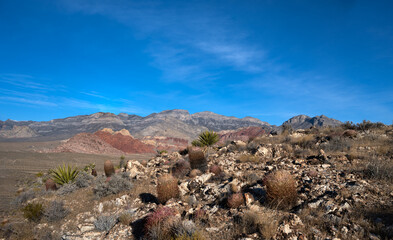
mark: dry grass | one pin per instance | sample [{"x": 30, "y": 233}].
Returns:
[
  {"x": 264, "y": 223},
  {"x": 281, "y": 189},
  {"x": 305, "y": 141}
]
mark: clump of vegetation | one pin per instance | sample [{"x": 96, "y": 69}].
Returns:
[
  {"x": 105, "y": 223},
  {"x": 67, "y": 189},
  {"x": 206, "y": 139},
  {"x": 116, "y": 184},
  {"x": 281, "y": 189},
  {"x": 381, "y": 169},
  {"x": 122, "y": 163},
  {"x": 63, "y": 174},
  {"x": 197, "y": 160},
  {"x": 126, "y": 218},
  {"x": 306, "y": 142},
  {"x": 24, "y": 197},
  {"x": 235, "y": 200},
  {"x": 162, "y": 152},
  {"x": 109, "y": 169},
  {"x": 167, "y": 188},
  {"x": 55, "y": 211},
  {"x": 33, "y": 211},
  {"x": 181, "y": 168},
  {"x": 83, "y": 180},
  {"x": 159, "y": 223},
  {"x": 337, "y": 144},
  {"x": 89, "y": 167},
  {"x": 264, "y": 223}
]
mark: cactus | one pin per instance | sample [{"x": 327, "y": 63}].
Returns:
[
  {"x": 215, "y": 169},
  {"x": 50, "y": 185},
  {"x": 167, "y": 188},
  {"x": 108, "y": 168},
  {"x": 197, "y": 160},
  {"x": 235, "y": 200},
  {"x": 181, "y": 168},
  {"x": 159, "y": 223},
  {"x": 281, "y": 189}
]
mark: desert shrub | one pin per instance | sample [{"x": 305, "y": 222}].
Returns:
[
  {"x": 235, "y": 200},
  {"x": 286, "y": 129},
  {"x": 126, "y": 218},
  {"x": 264, "y": 223},
  {"x": 167, "y": 188},
  {"x": 337, "y": 145},
  {"x": 24, "y": 197},
  {"x": 105, "y": 223},
  {"x": 116, "y": 184},
  {"x": 379, "y": 168},
  {"x": 184, "y": 228},
  {"x": 89, "y": 167},
  {"x": 252, "y": 146},
  {"x": 181, "y": 168},
  {"x": 67, "y": 189},
  {"x": 197, "y": 160},
  {"x": 305, "y": 142},
  {"x": 206, "y": 139},
  {"x": 55, "y": 211},
  {"x": 33, "y": 211},
  {"x": 122, "y": 163},
  {"x": 281, "y": 189},
  {"x": 348, "y": 125},
  {"x": 62, "y": 174},
  {"x": 83, "y": 179}
]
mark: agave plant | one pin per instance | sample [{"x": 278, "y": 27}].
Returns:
[
  {"x": 62, "y": 174},
  {"x": 206, "y": 139}
]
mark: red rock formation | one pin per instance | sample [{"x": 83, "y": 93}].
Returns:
[
  {"x": 87, "y": 143},
  {"x": 242, "y": 134},
  {"x": 166, "y": 143},
  {"x": 125, "y": 143}
]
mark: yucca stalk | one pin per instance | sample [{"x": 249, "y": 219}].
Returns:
[{"x": 63, "y": 174}]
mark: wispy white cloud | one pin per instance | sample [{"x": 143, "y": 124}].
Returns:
[{"x": 191, "y": 40}]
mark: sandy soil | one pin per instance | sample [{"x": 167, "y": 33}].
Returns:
[{"x": 19, "y": 163}]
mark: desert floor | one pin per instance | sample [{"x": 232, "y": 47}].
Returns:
[{"x": 20, "y": 161}]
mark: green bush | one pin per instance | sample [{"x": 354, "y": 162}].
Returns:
[
  {"x": 33, "y": 211},
  {"x": 206, "y": 139},
  {"x": 64, "y": 174}
]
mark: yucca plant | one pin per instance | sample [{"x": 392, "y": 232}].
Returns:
[
  {"x": 63, "y": 174},
  {"x": 206, "y": 139}
]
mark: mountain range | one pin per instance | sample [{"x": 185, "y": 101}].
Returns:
[{"x": 170, "y": 123}]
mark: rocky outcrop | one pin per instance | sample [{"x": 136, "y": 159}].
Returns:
[
  {"x": 169, "y": 144},
  {"x": 305, "y": 122},
  {"x": 243, "y": 134}
]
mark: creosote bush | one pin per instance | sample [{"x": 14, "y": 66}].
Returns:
[
  {"x": 33, "y": 211},
  {"x": 167, "y": 188},
  {"x": 281, "y": 189},
  {"x": 117, "y": 183},
  {"x": 55, "y": 211}
]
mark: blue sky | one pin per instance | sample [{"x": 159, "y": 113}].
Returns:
[{"x": 267, "y": 59}]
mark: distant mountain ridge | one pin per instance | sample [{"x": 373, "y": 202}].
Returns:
[
  {"x": 169, "y": 123},
  {"x": 305, "y": 122}
]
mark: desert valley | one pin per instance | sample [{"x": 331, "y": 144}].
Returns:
[{"x": 175, "y": 175}]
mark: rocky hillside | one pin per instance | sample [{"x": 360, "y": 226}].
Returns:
[
  {"x": 317, "y": 185},
  {"x": 170, "y": 123},
  {"x": 305, "y": 122}
]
